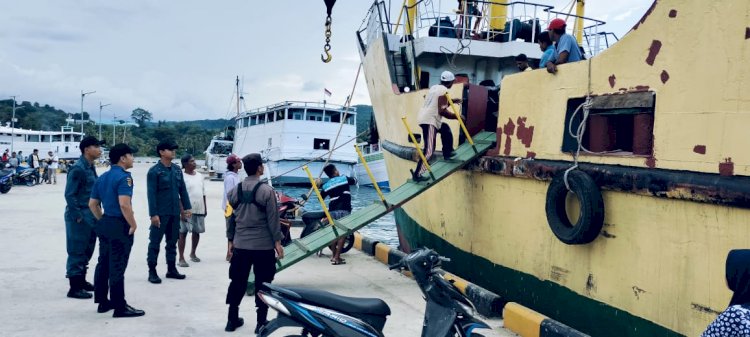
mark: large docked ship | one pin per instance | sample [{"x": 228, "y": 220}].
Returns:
[
  {"x": 661, "y": 183},
  {"x": 64, "y": 143},
  {"x": 292, "y": 134}
]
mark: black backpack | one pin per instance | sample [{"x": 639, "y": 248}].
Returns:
[{"x": 245, "y": 198}]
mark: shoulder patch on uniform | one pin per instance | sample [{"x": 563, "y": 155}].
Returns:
[{"x": 130, "y": 181}]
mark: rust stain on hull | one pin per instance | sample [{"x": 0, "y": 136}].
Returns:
[
  {"x": 612, "y": 81},
  {"x": 662, "y": 183},
  {"x": 664, "y": 76},
  {"x": 726, "y": 169},
  {"x": 508, "y": 130},
  {"x": 525, "y": 134},
  {"x": 673, "y": 13},
  {"x": 699, "y": 149},
  {"x": 653, "y": 51},
  {"x": 645, "y": 15}
]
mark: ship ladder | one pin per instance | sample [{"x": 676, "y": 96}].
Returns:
[{"x": 315, "y": 241}]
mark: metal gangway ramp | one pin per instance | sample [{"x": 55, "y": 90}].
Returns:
[{"x": 301, "y": 248}]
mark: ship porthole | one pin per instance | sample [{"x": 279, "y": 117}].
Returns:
[{"x": 590, "y": 204}]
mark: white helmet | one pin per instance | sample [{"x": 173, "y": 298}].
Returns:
[{"x": 447, "y": 76}]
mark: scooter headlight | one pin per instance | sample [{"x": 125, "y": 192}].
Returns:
[{"x": 274, "y": 303}]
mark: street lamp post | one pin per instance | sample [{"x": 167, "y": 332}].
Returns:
[
  {"x": 114, "y": 126},
  {"x": 13, "y": 125},
  {"x": 100, "y": 118},
  {"x": 83, "y": 94}
]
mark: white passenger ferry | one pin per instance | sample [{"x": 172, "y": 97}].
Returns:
[{"x": 64, "y": 142}]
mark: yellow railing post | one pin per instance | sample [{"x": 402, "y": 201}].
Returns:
[
  {"x": 460, "y": 122},
  {"x": 416, "y": 146},
  {"x": 320, "y": 198},
  {"x": 369, "y": 173}
]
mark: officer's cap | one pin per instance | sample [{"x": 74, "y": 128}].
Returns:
[
  {"x": 89, "y": 141},
  {"x": 166, "y": 145},
  {"x": 118, "y": 151}
]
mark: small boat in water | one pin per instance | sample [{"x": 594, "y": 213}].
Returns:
[{"x": 374, "y": 158}]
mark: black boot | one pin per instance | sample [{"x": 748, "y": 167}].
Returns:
[
  {"x": 128, "y": 311},
  {"x": 173, "y": 273},
  {"x": 76, "y": 288},
  {"x": 86, "y": 285},
  {"x": 262, "y": 314},
  {"x": 234, "y": 320},
  {"x": 152, "y": 276}
]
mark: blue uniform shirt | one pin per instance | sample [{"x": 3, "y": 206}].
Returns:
[
  {"x": 110, "y": 186},
  {"x": 166, "y": 188},
  {"x": 81, "y": 177},
  {"x": 547, "y": 56},
  {"x": 567, "y": 43}
]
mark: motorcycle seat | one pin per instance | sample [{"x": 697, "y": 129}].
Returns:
[
  {"x": 5, "y": 172},
  {"x": 351, "y": 305}
]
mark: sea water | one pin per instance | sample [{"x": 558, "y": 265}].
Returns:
[{"x": 383, "y": 229}]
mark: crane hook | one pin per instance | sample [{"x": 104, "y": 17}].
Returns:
[{"x": 326, "y": 57}]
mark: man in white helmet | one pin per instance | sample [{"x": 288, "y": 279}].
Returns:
[{"x": 430, "y": 119}]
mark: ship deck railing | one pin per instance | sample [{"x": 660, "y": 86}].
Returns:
[
  {"x": 301, "y": 248},
  {"x": 429, "y": 13},
  {"x": 300, "y": 104}
]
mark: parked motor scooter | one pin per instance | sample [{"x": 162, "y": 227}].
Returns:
[
  {"x": 6, "y": 178},
  {"x": 320, "y": 313},
  {"x": 26, "y": 176}
]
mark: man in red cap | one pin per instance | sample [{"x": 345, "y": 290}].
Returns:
[
  {"x": 566, "y": 46},
  {"x": 231, "y": 180}
]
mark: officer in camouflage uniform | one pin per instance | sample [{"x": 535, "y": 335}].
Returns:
[{"x": 79, "y": 222}]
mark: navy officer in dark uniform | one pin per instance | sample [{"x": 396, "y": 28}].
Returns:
[
  {"x": 79, "y": 222},
  {"x": 115, "y": 228},
  {"x": 166, "y": 189}
]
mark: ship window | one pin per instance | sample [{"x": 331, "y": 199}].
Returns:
[
  {"x": 56, "y": 138},
  {"x": 280, "y": 115},
  {"x": 321, "y": 144},
  {"x": 617, "y": 124},
  {"x": 262, "y": 119},
  {"x": 45, "y": 138},
  {"x": 335, "y": 117},
  {"x": 33, "y": 138},
  {"x": 66, "y": 149},
  {"x": 253, "y": 120},
  {"x": 295, "y": 113},
  {"x": 269, "y": 117},
  {"x": 350, "y": 119}
]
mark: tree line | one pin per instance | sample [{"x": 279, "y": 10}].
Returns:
[{"x": 192, "y": 136}]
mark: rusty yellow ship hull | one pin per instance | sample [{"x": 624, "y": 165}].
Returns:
[{"x": 657, "y": 267}]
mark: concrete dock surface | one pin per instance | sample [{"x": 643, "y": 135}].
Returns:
[{"x": 33, "y": 286}]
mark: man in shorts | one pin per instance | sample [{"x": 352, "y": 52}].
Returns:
[{"x": 194, "y": 223}]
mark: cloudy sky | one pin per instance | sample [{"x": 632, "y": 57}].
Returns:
[{"x": 179, "y": 59}]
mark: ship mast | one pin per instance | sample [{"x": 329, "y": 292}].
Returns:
[{"x": 237, "y": 86}]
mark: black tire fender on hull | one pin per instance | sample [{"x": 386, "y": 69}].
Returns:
[{"x": 591, "y": 218}]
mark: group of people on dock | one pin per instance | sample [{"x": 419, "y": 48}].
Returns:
[
  {"x": 46, "y": 167},
  {"x": 100, "y": 207}
]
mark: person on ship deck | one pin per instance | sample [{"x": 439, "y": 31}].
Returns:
[{"x": 566, "y": 46}]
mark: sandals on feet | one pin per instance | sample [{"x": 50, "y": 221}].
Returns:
[
  {"x": 183, "y": 264},
  {"x": 338, "y": 262},
  {"x": 195, "y": 259}
]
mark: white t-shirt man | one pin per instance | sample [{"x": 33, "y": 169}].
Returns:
[
  {"x": 429, "y": 113},
  {"x": 196, "y": 190},
  {"x": 54, "y": 162}
]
